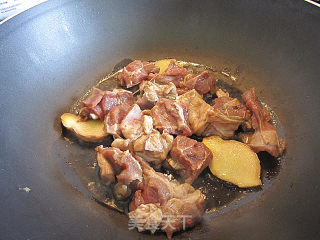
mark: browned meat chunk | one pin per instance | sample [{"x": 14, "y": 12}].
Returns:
[
  {"x": 222, "y": 119},
  {"x": 113, "y": 119},
  {"x": 132, "y": 124},
  {"x": 127, "y": 168},
  {"x": 153, "y": 147},
  {"x": 174, "y": 74},
  {"x": 171, "y": 116},
  {"x": 91, "y": 107},
  {"x": 191, "y": 157},
  {"x": 123, "y": 144},
  {"x": 178, "y": 205},
  {"x": 225, "y": 117},
  {"x": 177, "y": 214},
  {"x": 123, "y": 163},
  {"x": 94, "y": 99},
  {"x": 135, "y": 72},
  {"x": 181, "y": 213},
  {"x": 156, "y": 187},
  {"x": 202, "y": 82},
  {"x": 115, "y": 98},
  {"x": 151, "y": 93},
  {"x": 146, "y": 217},
  {"x": 265, "y": 137},
  {"x": 197, "y": 109},
  {"x": 99, "y": 103},
  {"x": 106, "y": 170}
]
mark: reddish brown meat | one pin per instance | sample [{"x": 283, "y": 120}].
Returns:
[
  {"x": 115, "y": 98},
  {"x": 265, "y": 137},
  {"x": 181, "y": 213},
  {"x": 123, "y": 163},
  {"x": 175, "y": 215},
  {"x": 192, "y": 157},
  {"x": 135, "y": 72},
  {"x": 225, "y": 117},
  {"x": 106, "y": 170},
  {"x": 203, "y": 82},
  {"x": 91, "y": 113},
  {"x": 113, "y": 119},
  {"x": 171, "y": 116},
  {"x": 158, "y": 187},
  {"x": 126, "y": 124},
  {"x": 181, "y": 205},
  {"x": 94, "y": 99},
  {"x": 174, "y": 74},
  {"x": 99, "y": 103}
]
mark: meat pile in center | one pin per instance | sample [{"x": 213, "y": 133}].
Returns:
[{"x": 154, "y": 132}]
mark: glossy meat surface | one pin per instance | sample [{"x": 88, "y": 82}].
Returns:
[
  {"x": 192, "y": 156},
  {"x": 171, "y": 116},
  {"x": 265, "y": 137}
]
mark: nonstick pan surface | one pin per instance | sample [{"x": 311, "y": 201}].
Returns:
[{"x": 54, "y": 53}]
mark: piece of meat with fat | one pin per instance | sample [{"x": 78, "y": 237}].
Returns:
[
  {"x": 197, "y": 109},
  {"x": 182, "y": 213},
  {"x": 181, "y": 205},
  {"x": 126, "y": 168},
  {"x": 190, "y": 156},
  {"x": 174, "y": 74},
  {"x": 135, "y": 72},
  {"x": 144, "y": 126},
  {"x": 153, "y": 147},
  {"x": 146, "y": 217},
  {"x": 123, "y": 144},
  {"x": 177, "y": 214},
  {"x": 225, "y": 117},
  {"x": 91, "y": 107},
  {"x": 147, "y": 124},
  {"x": 156, "y": 187},
  {"x": 115, "y": 98},
  {"x": 94, "y": 99},
  {"x": 151, "y": 93},
  {"x": 265, "y": 137},
  {"x": 99, "y": 103},
  {"x": 114, "y": 118},
  {"x": 118, "y": 120},
  {"x": 247, "y": 126},
  {"x": 171, "y": 116},
  {"x": 134, "y": 124},
  {"x": 202, "y": 82}
]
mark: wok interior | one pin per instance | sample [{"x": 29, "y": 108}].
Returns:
[{"x": 54, "y": 53}]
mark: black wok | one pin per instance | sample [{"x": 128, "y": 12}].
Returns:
[{"x": 52, "y": 54}]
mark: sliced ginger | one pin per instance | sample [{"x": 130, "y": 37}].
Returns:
[
  {"x": 90, "y": 131},
  {"x": 163, "y": 64},
  {"x": 234, "y": 162}
]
